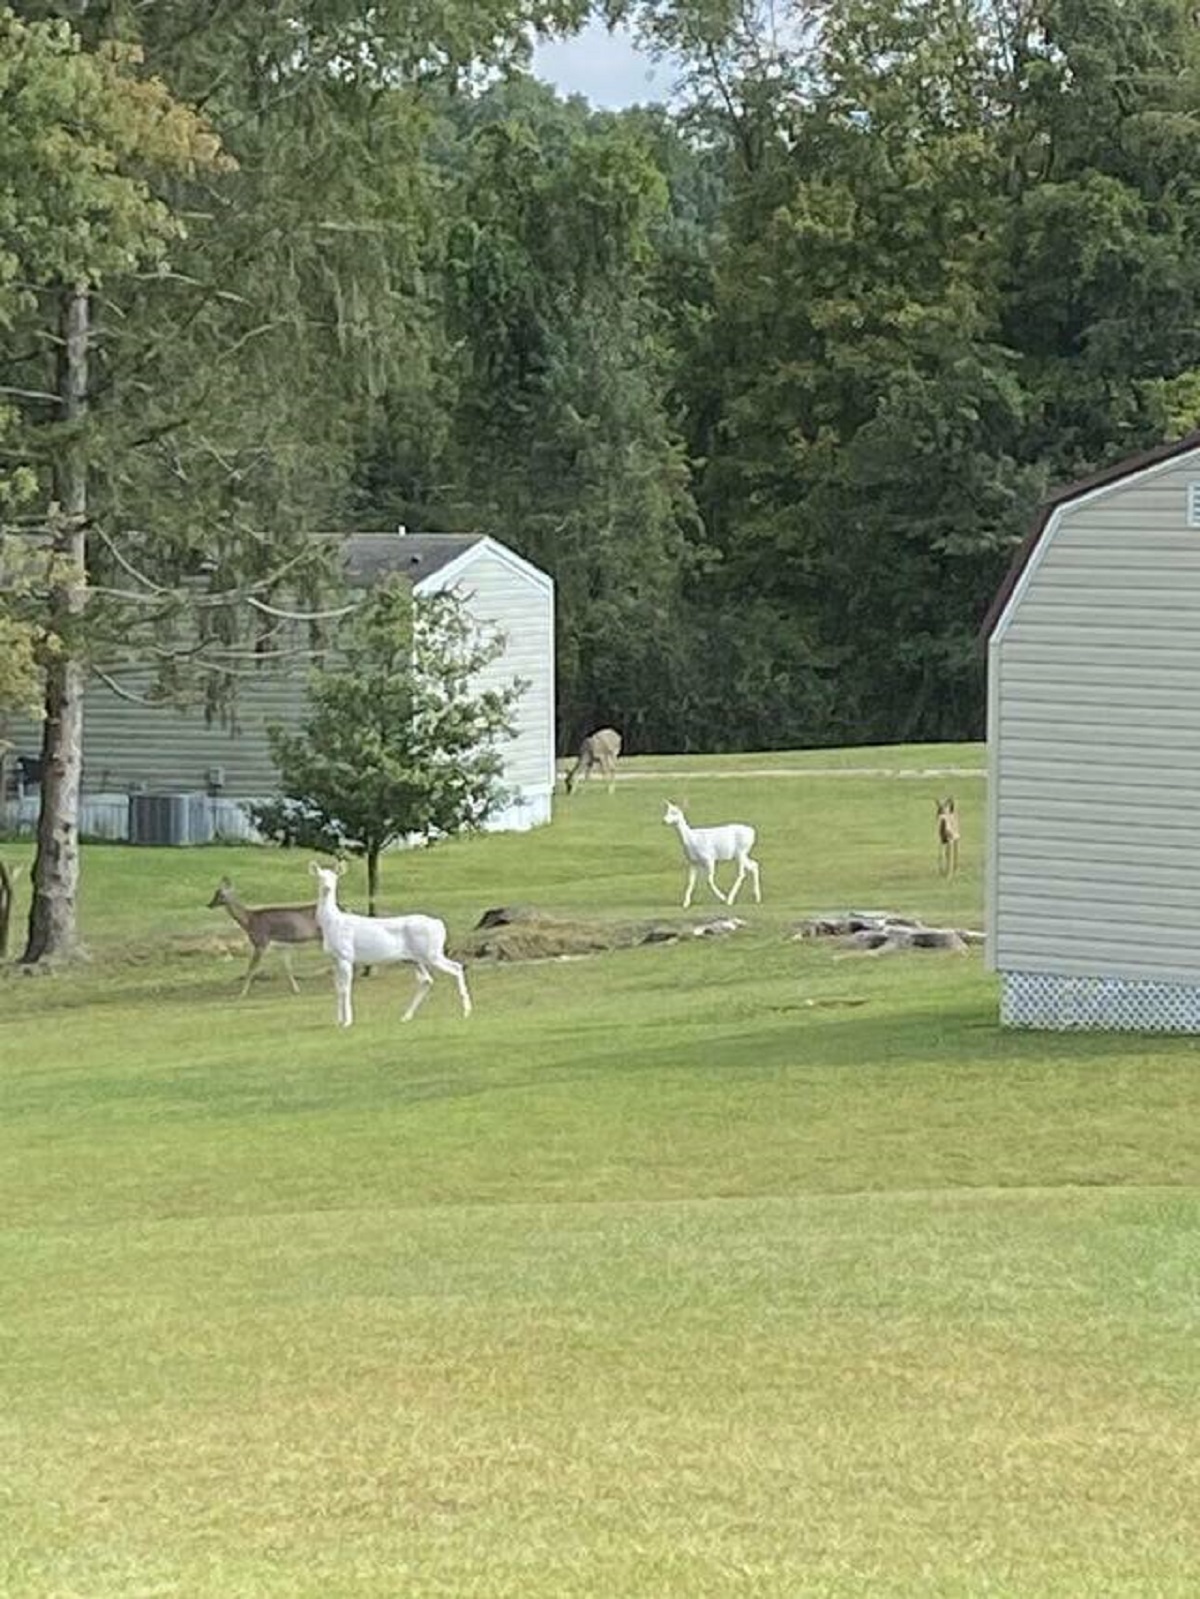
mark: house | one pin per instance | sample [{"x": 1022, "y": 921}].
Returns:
[
  {"x": 1093, "y": 913},
  {"x": 162, "y": 774}
]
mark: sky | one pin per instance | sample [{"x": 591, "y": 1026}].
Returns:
[{"x": 604, "y": 67}]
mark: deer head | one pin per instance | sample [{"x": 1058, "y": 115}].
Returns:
[{"x": 327, "y": 878}]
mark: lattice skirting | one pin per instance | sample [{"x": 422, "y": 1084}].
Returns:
[{"x": 1109, "y": 1004}]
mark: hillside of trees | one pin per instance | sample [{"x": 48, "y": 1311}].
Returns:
[{"x": 770, "y": 379}]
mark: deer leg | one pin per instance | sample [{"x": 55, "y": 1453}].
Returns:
[
  {"x": 756, "y": 879},
  {"x": 712, "y": 883},
  {"x": 691, "y": 883},
  {"x": 287, "y": 966},
  {"x": 343, "y": 979},
  {"x": 424, "y": 984},
  {"x": 445, "y": 964},
  {"x": 251, "y": 969},
  {"x": 737, "y": 882}
]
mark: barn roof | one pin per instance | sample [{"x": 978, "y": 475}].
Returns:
[
  {"x": 416, "y": 556},
  {"x": 1109, "y": 475}
]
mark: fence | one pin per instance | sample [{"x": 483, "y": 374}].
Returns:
[{"x": 107, "y": 817}]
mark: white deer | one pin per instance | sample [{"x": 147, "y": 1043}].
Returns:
[
  {"x": 352, "y": 940},
  {"x": 705, "y": 846}
]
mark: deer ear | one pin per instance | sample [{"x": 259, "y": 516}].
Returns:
[
  {"x": 341, "y": 868},
  {"x": 313, "y": 868}
]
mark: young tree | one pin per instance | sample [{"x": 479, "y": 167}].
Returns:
[{"x": 400, "y": 739}]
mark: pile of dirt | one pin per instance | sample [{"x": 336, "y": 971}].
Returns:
[
  {"x": 171, "y": 947},
  {"x": 523, "y": 933}
]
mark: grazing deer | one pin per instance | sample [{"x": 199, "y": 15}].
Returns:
[
  {"x": 601, "y": 749},
  {"x": 705, "y": 846},
  {"x": 948, "y": 835},
  {"x": 351, "y": 941},
  {"x": 272, "y": 924}
]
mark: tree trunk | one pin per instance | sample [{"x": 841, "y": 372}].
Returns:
[
  {"x": 372, "y": 881},
  {"x": 52, "y": 915}
]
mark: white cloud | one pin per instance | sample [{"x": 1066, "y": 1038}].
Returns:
[{"x": 604, "y": 67}]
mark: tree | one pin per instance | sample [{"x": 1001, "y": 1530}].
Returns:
[
  {"x": 562, "y": 444},
  {"x": 401, "y": 738},
  {"x": 1102, "y": 221},
  {"x": 84, "y": 136}
]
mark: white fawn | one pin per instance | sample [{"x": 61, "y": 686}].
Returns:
[
  {"x": 703, "y": 847},
  {"x": 601, "y": 749},
  {"x": 352, "y": 940},
  {"x": 948, "y": 835},
  {"x": 271, "y": 924}
]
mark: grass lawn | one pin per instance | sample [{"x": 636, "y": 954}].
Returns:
[{"x": 716, "y": 1268}]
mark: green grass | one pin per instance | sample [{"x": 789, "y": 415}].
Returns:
[{"x": 652, "y": 1279}]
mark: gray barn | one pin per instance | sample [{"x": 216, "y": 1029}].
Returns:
[
  {"x": 165, "y": 773},
  {"x": 1093, "y": 913}
]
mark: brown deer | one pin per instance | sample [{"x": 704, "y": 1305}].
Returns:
[
  {"x": 272, "y": 924},
  {"x": 601, "y": 749},
  {"x": 948, "y": 836}
]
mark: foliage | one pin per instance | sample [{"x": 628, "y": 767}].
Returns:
[
  {"x": 402, "y": 737},
  {"x": 957, "y": 258},
  {"x": 769, "y": 380},
  {"x": 82, "y": 132},
  {"x": 562, "y": 442},
  {"x": 25, "y": 640}
]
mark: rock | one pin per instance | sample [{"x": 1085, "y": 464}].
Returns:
[
  {"x": 714, "y": 929},
  {"x": 506, "y": 915}
]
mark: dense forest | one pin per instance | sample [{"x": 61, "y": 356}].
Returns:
[{"x": 770, "y": 379}]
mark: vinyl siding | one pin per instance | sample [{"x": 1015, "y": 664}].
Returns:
[
  {"x": 521, "y": 605},
  {"x": 173, "y": 751},
  {"x": 1094, "y": 716}
]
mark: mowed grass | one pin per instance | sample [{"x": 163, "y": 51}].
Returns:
[{"x": 714, "y": 1268}]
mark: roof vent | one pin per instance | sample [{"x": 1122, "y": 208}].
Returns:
[{"x": 1193, "y": 505}]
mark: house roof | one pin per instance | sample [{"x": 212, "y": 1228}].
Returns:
[
  {"x": 1131, "y": 466},
  {"x": 416, "y": 556}
]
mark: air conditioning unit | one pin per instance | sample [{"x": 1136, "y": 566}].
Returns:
[
  {"x": 171, "y": 819},
  {"x": 158, "y": 819}
]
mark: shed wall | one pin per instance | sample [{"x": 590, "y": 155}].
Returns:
[{"x": 1094, "y": 712}]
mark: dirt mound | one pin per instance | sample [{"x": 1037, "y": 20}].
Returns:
[{"x": 522, "y": 933}]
